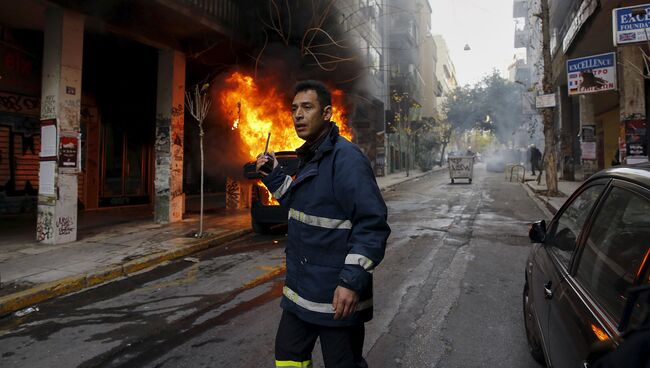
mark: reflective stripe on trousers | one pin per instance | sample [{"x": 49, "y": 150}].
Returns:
[
  {"x": 319, "y": 307},
  {"x": 325, "y": 222},
  {"x": 291, "y": 363}
]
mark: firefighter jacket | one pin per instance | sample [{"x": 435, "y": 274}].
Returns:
[{"x": 337, "y": 230}]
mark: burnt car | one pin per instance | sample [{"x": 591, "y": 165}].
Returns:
[
  {"x": 266, "y": 212},
  {"x": 584, "y": 268}
]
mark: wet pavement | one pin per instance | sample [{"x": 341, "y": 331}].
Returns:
[{"x": 448, "y": 294}]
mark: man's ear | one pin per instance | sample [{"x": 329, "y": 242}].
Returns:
[{"x": 327, "y": 113}]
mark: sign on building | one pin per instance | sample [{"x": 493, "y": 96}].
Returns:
[
  {"x": 587, "y": 8},
  {"x": 543, "y": 101},
  {"x": 631, "y": 24},
  {"x": 591, "y": 74}
]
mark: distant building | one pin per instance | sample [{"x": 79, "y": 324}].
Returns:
[{"x": 445, "y": 72}]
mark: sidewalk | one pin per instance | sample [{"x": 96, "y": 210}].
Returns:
[
  {"x": 551, "y": 204},
  {"x": 31, "y": 272}
]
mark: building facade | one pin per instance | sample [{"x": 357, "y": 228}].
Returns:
[
  {"x": 599, "y": 75},
  {"x": 92, "y": 104}
]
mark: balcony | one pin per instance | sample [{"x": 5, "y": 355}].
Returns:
[
  {"x": 521, "y": 38},
  {"x": 519, "y": 9},
  {"x": 223, "y": 11}
]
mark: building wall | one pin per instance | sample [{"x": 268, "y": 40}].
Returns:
[{"x": 445, "y": 70}]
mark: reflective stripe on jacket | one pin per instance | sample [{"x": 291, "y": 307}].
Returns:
[{"x": 337, "y": 230}]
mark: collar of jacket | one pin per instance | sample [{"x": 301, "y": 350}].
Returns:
[{"x": 326, "y": 146}]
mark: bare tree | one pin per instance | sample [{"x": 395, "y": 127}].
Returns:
[
  {"x": 198, "y": 104},
  {"x": 550, "y": 135}
]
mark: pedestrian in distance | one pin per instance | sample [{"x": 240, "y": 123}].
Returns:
[
  {"x": 535, "y": 158},
  {"x": 337, "y": 234}
]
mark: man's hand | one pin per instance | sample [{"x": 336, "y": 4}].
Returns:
[
  {"x": 263, "y": 159},
  {"x": 344, "y": 303}
]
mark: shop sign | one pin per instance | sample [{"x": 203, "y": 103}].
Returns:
[
  {"x": 586, "y": 9},
  {"x": 591, "y": 74},
  {"x": 631, "y": 24}
]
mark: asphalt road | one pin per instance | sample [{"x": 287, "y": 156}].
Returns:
[{"x": 448, "y": 294}]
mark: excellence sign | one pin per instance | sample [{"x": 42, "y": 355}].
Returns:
[
  {"x": 631, "y": 24},
  {"x": 591, "y": 74}
]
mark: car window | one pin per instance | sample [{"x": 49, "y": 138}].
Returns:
[
  {"x": 618, "y": 242},
  {"x": 569, "y": 225}
]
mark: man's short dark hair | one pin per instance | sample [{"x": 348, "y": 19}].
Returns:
[{"x": 322, "y": 92}]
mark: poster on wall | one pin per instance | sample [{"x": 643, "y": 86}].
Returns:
[
  {"x": 69, "y": 152},
  {"x": 588, "y": 150},
  {"x": 636, "y": 146},
  {"x": 48, "y": 138},
  {"x": 591, "y": 74},
  {"x": 46, "y": 177},
  {"x": 631, "y": 24}
]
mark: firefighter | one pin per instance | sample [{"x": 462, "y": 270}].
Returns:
[{"x": 337, "y": 233}]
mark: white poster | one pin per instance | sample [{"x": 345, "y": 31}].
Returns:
[
  {"x": 588, "y": 150},
  {"x": 46, "y": 177},
  {"x": 48, "y": 141}
]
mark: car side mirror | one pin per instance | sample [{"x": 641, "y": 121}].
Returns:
[{"x": 537, "y": 232}]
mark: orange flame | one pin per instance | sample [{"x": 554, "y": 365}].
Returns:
[
  {"x": 264, "y": 196},
  {"x": 255, "y": 111}
]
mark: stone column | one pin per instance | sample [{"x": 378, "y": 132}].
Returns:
[
  {"x": 588, "y": 144},
  {"x": 168, "y": 182},
  {"x": 632, "y": 97},
  {"x": 60, "y": 111}
]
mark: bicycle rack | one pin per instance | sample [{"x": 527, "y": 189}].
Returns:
[{"x": 513, "y": 167}]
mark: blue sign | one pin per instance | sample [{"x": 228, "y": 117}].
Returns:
[
  {"x": 591, "y": 73},
  {"x": 631, "y": 24}
]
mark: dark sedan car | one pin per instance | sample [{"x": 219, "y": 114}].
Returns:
[
  {"x": 582, "y": 272},
  {"x": 265, "y": 210}
]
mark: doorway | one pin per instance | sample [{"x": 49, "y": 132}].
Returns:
[{"x": 125, "y": 161}]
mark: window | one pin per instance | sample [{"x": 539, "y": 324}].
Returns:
[
  {"x": 569, "y": 225},
  {"x": 618, "y": 243},
  {"x": 374, "y": 61}
]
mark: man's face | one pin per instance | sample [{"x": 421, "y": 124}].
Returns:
[{"x": 309, "y": 118}]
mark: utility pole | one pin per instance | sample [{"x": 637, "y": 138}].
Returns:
[{"x": 550, "y": 135}]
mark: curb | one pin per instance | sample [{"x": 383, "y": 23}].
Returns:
[
  {"x": 411, "y": 178},
  {"x": 544, "y": 206},
  {"x": 68, "y": 285}
]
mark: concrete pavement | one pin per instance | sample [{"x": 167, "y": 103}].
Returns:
[
  {"x": 549, "y": 205},
  {"x": 32, "y": 272}
]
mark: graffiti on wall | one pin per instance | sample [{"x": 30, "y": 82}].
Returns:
[
  {"x": 19, "y": 104},
  {"x": 48, "y": 109},
  {"x": 65, "y": 225},
  {"x": 44, "y": 228},
  {"x": 19, "y": 150}
]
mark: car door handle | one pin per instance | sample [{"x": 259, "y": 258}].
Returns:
[{"x": 548, "y": 293}]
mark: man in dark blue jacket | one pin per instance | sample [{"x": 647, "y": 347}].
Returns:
[{"x": 337, "y": 233}]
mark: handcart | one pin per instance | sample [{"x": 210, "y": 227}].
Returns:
[{"x": 461, "y": 167}]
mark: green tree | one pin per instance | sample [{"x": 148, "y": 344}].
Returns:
[{"x": 493, "y": 104}]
